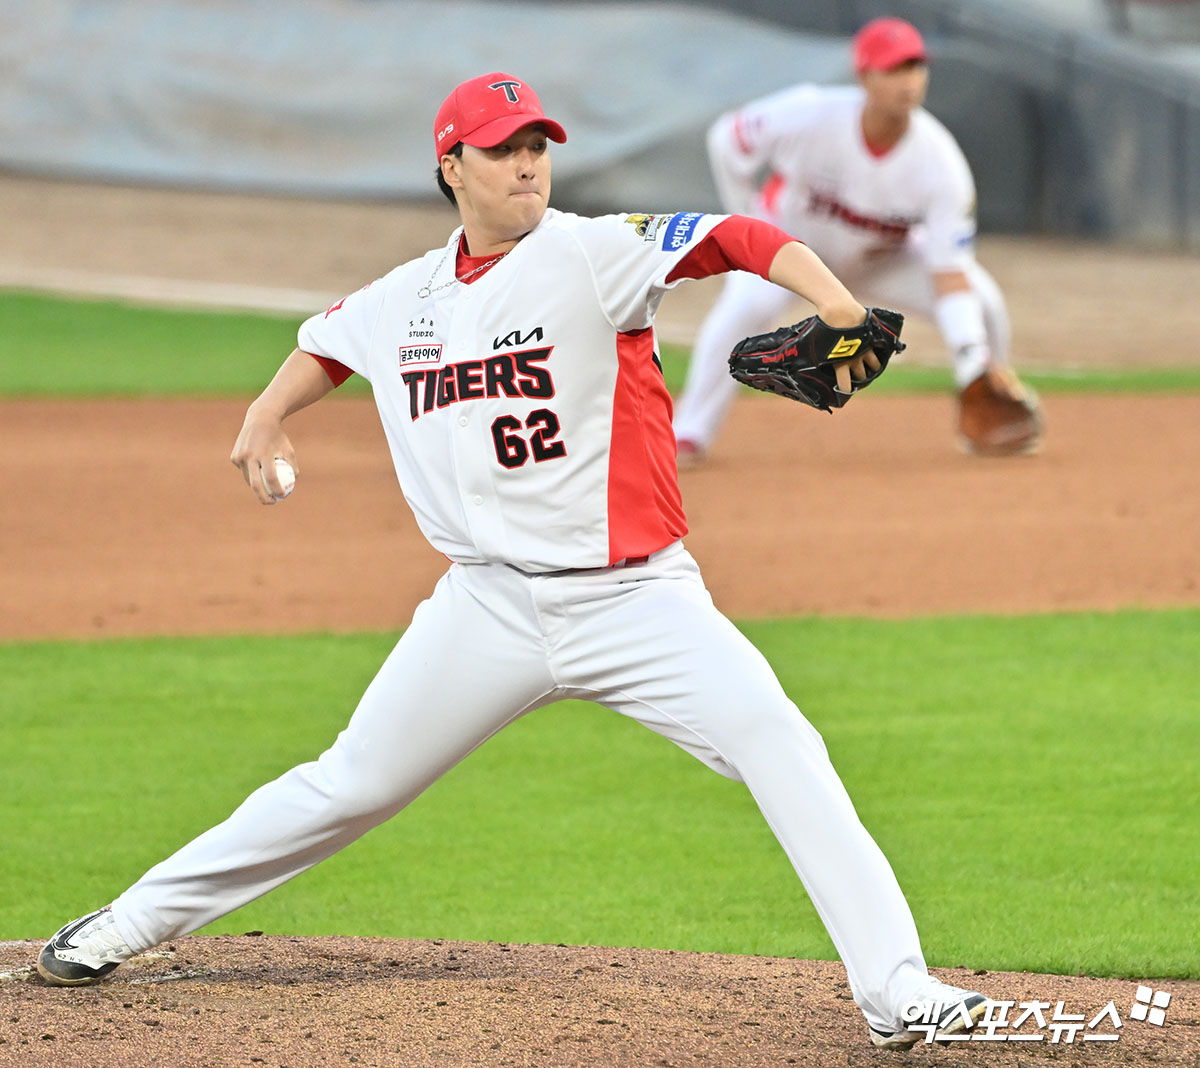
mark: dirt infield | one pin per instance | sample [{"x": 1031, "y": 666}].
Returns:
[
  {"x": 131, "y": 521},
  {"x": 311, "y": 1003}
]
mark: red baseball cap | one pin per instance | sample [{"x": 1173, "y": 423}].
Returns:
[
  {"x": 484, "y": 111},
  {"x": 883, "y": 44}
]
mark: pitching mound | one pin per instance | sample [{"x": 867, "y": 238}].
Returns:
[{"x": 308, "y": 1002}]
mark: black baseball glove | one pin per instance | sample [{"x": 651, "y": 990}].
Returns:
[{"x": 800, "y": 361}]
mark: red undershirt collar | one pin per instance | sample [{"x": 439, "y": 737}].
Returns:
[{"x": 464, "y": 264}]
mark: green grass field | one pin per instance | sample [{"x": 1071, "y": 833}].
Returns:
[
  {"x": 1033, "y": 779},
  {"x": 59, "y": 347}
]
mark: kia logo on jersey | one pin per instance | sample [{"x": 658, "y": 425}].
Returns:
[{"x": 515, "y": 337}]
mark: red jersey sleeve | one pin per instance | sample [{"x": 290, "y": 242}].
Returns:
[
  {"x": 337, "y": 372},
  {"x": 738, "y": 243}
]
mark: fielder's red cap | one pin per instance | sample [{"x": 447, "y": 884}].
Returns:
[
  {"x": 883, "y": 44},
  {"x": 484, "y": 111}
]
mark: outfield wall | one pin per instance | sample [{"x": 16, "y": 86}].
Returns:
[
  {"x": 337, "y": 97},
  {"x": 1069, "y": 131}
]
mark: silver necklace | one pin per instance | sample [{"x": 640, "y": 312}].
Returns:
[{"x": 425, "y": 292}]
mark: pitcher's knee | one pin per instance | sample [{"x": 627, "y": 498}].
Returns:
[
  {"x": 779, "y": 726},
  {"x": 351, "y": 795}
]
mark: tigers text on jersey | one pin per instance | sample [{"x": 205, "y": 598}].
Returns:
[
  {"x": 526, "y": 411},
  {"x": 832, "y": 192}
]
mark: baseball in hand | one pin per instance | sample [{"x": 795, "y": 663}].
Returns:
[{"x": 287, "y": 477}]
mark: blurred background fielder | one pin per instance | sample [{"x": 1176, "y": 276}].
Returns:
[{"x": 881, "y": 191}]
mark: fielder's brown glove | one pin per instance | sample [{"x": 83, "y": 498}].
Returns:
[{"x": 800, "y": 361}]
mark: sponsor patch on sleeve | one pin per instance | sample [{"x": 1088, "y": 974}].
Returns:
[
  {"x": 680, "y": 229},
  {"x": 647, "y": 226}
]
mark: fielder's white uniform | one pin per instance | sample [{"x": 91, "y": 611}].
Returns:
[
  {"x": 530, "y": 429},
  {"x": 882, "y": 223}
]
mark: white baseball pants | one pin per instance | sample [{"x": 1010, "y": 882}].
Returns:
[
  {"x": 644, "y": 640},
  {"x": 751, "y": 305}
]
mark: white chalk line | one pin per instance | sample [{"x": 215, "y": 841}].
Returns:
[
  {"x": 216, "y": 296},
  {"x": 171, "y": 291}
]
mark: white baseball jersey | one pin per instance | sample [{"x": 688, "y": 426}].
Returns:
[
  {"x": 526, "y": 412},
  {"x": 827, "y": 187},
  {"x": 883, "y": 222},
  {"x": 530, "y": 429}
]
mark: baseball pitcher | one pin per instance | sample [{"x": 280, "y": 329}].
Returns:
[{"x": 516, "y": 374}]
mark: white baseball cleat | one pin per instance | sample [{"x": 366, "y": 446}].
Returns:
[
  {"x": 935, "y": 1010},
  {"x": 84, "y": 951}
]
